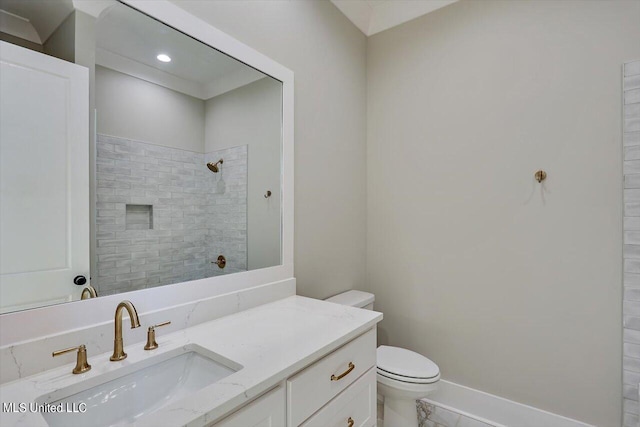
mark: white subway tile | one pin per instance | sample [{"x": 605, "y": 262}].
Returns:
[
  {"x": 630, "y": 420},
  {"x": 631, "y": 350},
  {"x": 630, "y": 406},
  {"x": 632, "y": 96},
  {"x": 631, "y": 364},
  {"x": 630, "y": 377},
  {"x": 632, "y": 266},
  {"x": 631, "y": 293},
  {"x": 631, "y": 138},
  {"x": 632, "y": 68},
  {"x": 631, "y": 223},
  {"x": 632, "y": 238},
  {"x": 630, "y": 336},
  {"x": 630, "y": 391}
]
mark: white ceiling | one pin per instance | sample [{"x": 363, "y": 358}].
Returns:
[
  {"x": 373, "y": 16},
  {"x": 129, "y": 41}
]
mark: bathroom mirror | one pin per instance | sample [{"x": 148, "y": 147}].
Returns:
[{"x": 185, "y": 162}]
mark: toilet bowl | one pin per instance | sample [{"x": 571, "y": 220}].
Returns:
[{"x": 403, "y": 376}]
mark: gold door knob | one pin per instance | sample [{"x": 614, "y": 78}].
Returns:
[{"x": 81, "y": 359}]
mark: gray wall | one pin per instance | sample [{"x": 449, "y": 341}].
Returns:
[
  {"x": 132, "y": 108},
  {"x": 252, "y": 115},
  {"x": 328, "y": 56},
  {"x": 513, "y": 288},
  {"x": 20, "y": 42},
  {"x": 62, "y": 42}
]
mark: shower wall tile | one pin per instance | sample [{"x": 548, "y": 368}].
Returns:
[
  {"x": 629, "y": 391},
  {"x": 632, "y": 293},
  {"x": 632, "y": 181},
  {"x": 227, "y": 210},
  {"x": 631, "y": 239},
  {"x": 632, "y": 152},
  {"x": 631, "y": 138},
  {"x": 631, "y": 350},
  {"x": 193, "y": 214},
  {"x": 631, "y": 364},
  {"x": 632, "y": 69},
  {"x": 630, "y": 420},
  {"x": 632, "y": 96}
]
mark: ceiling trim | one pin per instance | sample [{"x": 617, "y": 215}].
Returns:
[
  {"x": 226, "y": 83},
  {"x": 374, "y": 16},
  {"x": 18, "y": 26}
]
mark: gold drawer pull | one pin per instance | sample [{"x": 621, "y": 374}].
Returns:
[
  {"x": 344, "y": 374},
  {"x": 350, "y": 422}
]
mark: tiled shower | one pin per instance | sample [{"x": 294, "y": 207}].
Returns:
[
  {"x": 162, "y": 216},
  {"x": 631, "y": 306}
]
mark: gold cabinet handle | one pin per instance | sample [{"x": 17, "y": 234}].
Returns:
[
  {"x": 350, "y": 422},
  {"x": 344, "y": 374}
]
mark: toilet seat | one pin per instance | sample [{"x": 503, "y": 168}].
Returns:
[
  {"x": 400, "y": 364},
  {"x": 411, "y": 380}
]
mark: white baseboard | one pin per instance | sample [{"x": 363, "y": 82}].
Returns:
[{"x": 494, "y": 410}]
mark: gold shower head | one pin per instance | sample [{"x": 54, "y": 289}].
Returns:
[{"x": 213, "y": 167}]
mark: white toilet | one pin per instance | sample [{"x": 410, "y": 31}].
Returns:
[{"x": 404, "y": 376}]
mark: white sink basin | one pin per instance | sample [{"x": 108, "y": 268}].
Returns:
[{"x": 121, "y": 397}]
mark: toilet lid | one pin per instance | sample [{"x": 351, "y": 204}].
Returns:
[{"x": 405, "y": 363}]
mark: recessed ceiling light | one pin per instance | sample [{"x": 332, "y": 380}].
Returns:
[{"x": 164, "y": 58}]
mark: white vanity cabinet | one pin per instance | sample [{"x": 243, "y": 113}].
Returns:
[
  {"x": 266, "y": 411},
  {"x": 337, "y": 390},
  {"x": 328, "y": 387},
  {"x": 356, "y": 406}
]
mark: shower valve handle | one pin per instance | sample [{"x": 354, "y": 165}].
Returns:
[{"x": 221, "y": 262}]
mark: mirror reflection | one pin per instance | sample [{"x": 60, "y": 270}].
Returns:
[{"x": 184, "y": 177}]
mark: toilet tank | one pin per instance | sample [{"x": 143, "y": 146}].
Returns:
[{"x": 354, "y": 299}]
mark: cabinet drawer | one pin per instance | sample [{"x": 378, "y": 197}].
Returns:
[
  {"x": 266, "y": 411},
  {"x": 313, "y": 387},
  {"x": 357, "y": 403}
]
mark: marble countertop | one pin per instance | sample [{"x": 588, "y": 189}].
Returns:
[{"x": 271, "y": 342}]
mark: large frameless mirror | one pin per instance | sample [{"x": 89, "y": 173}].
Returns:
[{"x": 183, "y": 159}]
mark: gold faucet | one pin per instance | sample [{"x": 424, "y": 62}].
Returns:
[{"x": 118, "y": 346}]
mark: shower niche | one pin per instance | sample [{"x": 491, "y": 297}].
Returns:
[{"x": 138, "y": 217}]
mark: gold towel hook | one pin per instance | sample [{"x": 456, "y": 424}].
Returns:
[{"x": 540, "y": 175}]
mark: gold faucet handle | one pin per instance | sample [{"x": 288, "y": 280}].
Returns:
[
  {"x": 151, "y": 336},
  {"x": 81, "y": 360}
]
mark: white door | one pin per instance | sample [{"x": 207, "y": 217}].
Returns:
[{"x": 44, "y": 178}]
